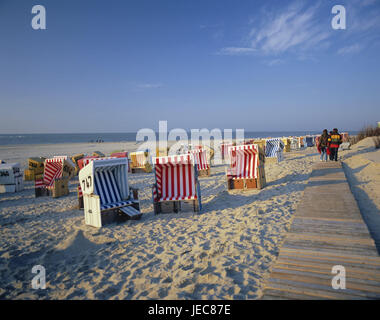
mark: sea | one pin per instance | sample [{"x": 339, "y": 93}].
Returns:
[{"x": 54, "y": 138}]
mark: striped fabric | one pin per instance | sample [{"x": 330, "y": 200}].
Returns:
[
  {"x": 123, "y": 154},
  {"x": 107, "y": 190},
  {"x": 138, "y": 159},
  {"x": 224, "y": 149},
  {"x": 85, "y": 161},
  {"x": 243, "y": 161},
  {"x": 200, "y": 157},
  {"x": 53, "y": 170},
  {"x": 273, "y": 147},
  {"x": 175, "y": 178}
]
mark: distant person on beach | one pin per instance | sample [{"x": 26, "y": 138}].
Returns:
[
  {"x": 328, "y": 147},
  {"x": 335, "y": 141},
  {"x": 323, "y": 143}
]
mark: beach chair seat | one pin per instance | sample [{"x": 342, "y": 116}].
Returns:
[
  {"x": 106, "y": 193},
  {"x": 140, "y": 162},
  {"x": 274, "y": 149},
  {"x": 57, "y": 173},
  {"x": 176, "y": 185},
  {"x": 11, "y": 177}
]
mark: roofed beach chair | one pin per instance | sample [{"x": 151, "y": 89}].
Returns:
[
  {"x": 246, "y": 167},
  {"x": 287, "y": 143},
  {"x": 301, "y": 142},
  {"x": 11, "y": 177},
  {"x": 274, "y": 149},
  {"x": 202, "y": 163},
  {"x": 55, "y": 180},
  {"x": 345, "y": 136},
  {"x": 75, "y": 159},
  {"x": 140, "y": 162},
  {"x": 176, "y": 185},
  {"x": 107, "y": 196},
  {"x": 309, "y": 141},
  {"x": 81, "y": 164},
  {"x": 294, "y": 143}
]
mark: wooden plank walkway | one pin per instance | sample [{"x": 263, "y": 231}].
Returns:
[{"x": 327, "y": 230}]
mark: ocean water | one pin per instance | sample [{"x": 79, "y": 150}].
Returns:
[{"x": 53, "y": 138}]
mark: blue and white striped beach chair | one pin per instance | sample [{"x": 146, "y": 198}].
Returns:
[
  {"x": 274, "y": 148},
  {"x": 105, "y": 189}
]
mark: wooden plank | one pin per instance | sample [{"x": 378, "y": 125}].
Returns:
[
  {"x": 326, "y": 288},
  {"x": 373, "y": 260},
  {"x": 352, "y": 277},
  {"x": 320, "y": 238}
]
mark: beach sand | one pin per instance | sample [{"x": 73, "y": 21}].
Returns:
[{"x": 222, "y": 253}]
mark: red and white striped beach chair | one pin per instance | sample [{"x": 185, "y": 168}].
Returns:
[
  {"x": 177, "y": 186},
  {"x": 57, "y": 173},
  {"x": 200, "y": 157},
  {"x": 246, "y": 169}
]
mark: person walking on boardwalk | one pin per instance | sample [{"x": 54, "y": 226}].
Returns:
[
  {"x": 335, "y": 141},
  {"x": 323, "y": 143}
]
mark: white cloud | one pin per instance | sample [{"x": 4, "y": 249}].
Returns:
[
  {"x": 149, "y": 86},
  {"x": 236, "y": 50},
  {"x": 350, "y": 49},
  {"x": 275, "y": 32},
  {"x": 293, "y": 28}
]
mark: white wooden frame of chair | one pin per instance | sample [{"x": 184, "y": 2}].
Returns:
[{"x": 97, "y": 217}]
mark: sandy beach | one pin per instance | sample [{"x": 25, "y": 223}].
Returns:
[{"x": 222, "y": 253}]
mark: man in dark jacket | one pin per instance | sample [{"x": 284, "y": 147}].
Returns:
[{"x": 335, "y": 140}]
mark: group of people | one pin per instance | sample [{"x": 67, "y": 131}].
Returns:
[{"x": 328, "y": 144}]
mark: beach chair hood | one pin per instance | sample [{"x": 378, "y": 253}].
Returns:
[{"x": 102, "y": 175}]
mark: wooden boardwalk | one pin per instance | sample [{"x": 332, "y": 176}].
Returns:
[{"x": 327, "y": 230}]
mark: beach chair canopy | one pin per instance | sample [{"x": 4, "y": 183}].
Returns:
[
  {"x": 200, "y": 158},
  {"x": 122, "y": 154},
  {"x": 273, "y": 147},
  {"x": 54, "y": 169},
  {"x": 244, "y": 161},
  {"x": 107, "y": 178},
  {"x": 224, "y": 148},
  {"x": 175, "y": 178}
]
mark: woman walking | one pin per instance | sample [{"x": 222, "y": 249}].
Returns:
[{"x": 323, "y": 144}]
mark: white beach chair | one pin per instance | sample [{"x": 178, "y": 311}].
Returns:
[
  {"x": 246, "y": 167},
  {"x": 11, "y": 178},
  {"x": 106, "y": 194},
  {"x": 177, "y": 186}
]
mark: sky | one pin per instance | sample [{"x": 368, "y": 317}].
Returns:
[{"x": 119, "y": 66}]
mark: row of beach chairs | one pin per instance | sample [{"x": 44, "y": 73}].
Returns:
[{"x": 105, "y": 193}]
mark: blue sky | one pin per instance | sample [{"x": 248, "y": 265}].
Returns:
[{"x": 118, "y": 66}]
